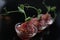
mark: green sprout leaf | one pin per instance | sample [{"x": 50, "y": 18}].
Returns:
[
  {"x": 53, "y": 9},
  {"x": 21, "y": 8},
  {"x": 27, "y": 19},
  {"x": 39, "y": 11},
  {"x": 39, "y": 16},
  {"x": 48, "y": 8}
]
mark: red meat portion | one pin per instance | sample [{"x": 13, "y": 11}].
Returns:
[
  {"x": 34, "y": 21},
  {"x": 22, "y": 27},
  {"x": 45, "y": 17}
]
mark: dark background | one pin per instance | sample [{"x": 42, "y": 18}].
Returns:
[{"x": 7, "y": 31}]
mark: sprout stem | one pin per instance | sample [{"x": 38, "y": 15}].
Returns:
[
  {"x": 47, "y": 7},
  {"x": 33, "y": 8},
  {"x": 11, "y": 12},
  {"x": 25, "y": 15}
]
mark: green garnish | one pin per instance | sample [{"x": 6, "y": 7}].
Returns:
[
  {"x": 48, "y": 8},
  {"x": 38, "y": 10},
  {"x": 27, "y": 19},
  {"x": 53, "y": 9},
  {"x": 21, "y": 9},
  {"x": 39, "y": 13}
]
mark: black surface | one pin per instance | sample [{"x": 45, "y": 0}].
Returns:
[{"x": 8, "y": 31}]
